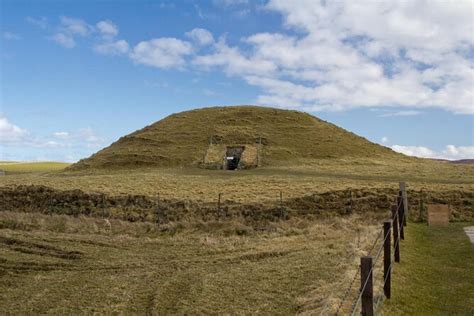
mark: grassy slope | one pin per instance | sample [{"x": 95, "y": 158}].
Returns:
[
  {"x": 65, "y": 265},
  {"x": 16, "y": 167},
  {"x": 182, "y": 139},
  {"x": 436, "y": 274}
]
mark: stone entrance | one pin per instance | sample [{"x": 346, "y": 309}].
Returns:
[{"x": 232, "y": 157}]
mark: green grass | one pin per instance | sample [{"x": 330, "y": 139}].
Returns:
[
  {"x": 436, "y": 273},
  {"x": 20, "y": 167}
]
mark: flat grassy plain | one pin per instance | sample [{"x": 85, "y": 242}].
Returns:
[
  {"x": 28, "y": 167},
  {"x": 436, "y": 273},
  {"x": 257, "y": 185}
]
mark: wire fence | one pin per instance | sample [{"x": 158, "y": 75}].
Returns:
[{"x": 374, "y": 288}]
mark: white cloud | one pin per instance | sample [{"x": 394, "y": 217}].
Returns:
[
  {"x": 234, "y": 62},
  {"x": 331, "y": 55},
  {"x": 68, "y": 29},
  {"x": 385, "y": 140},
  {"x": 10, "y": 133},
  {"x": 418, "y": 151},
  {"x": 161, "y": 52},
  {"x": 401, "y": 113},
  {"x": 64, "y": 40},
  {"x": 41, "y": 22},
  {"x": 450, "y": 152},
  {"x": 14, "y": 136},
  {"x": 108, "y": 45},
  {"x": 50, "y": 144},
  {"x": 83, "y": 135},
  {"x": 74, "y": 26},
  {"x": 18, "y": 144},
  {"x": 107, "y": 28},
  {"x": 112, "y": 48},
  {"x": 353, "y": 54},
  {"x": 62, "y": 135},
  {"x": 460, "y": 152},
  {"x": 88, "y": 136},
  {"x": 201, "y": 36},
  {"x": 11, "y": 36}
]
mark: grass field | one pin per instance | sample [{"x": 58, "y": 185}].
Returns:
[
  {"x": 18, "y": 167},
  {"x": 65, "y": 265},
  {"x": 436, "y": 273},
  {"x": 258, "y": 185},
  {"x": 60, "y": 264}
]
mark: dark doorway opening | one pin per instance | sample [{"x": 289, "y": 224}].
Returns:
[{"x": 232, "y": 157}]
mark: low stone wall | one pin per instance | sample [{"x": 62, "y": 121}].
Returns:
[
  {"x": 250, "y": 157},
  {"x": 214, "y": 157}
]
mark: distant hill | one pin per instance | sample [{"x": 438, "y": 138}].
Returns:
[
  {"x": 460, "y": 162},
  {"x": 463, "y": 161},
  {"x": 281, "y": 136}
]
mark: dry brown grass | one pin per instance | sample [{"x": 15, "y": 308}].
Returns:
[
  {"x": 66, "y": 265},
  {"x": 260, "y": 185},
  {"x": 181, "y": 140},
  {"x": 74, "y": 265}
]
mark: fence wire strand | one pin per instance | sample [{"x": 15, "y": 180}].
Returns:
[
  {"x": 389, "y": 271},
  {"x": 346, "y": 294},
  {"x": 372, "y": 272},
  {"x": 381, "y": 248},
  {"x": 375, "y": 242}
]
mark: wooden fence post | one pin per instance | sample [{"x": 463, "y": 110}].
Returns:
[
  {"x": 387, "y": 273},
  {"x": 401, "y": 215},
  {"x": 366, "y": 286},
  {"x": 219, "y": 203},
  {"x": 396, "y": 242}
]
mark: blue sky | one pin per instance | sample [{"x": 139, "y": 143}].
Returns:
[{"x": 77, "y": 75}]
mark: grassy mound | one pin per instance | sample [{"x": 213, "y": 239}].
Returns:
[{"x": 288, "y": 137}]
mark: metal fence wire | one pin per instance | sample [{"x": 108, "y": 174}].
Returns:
[{"x": 373, "y": 272}]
